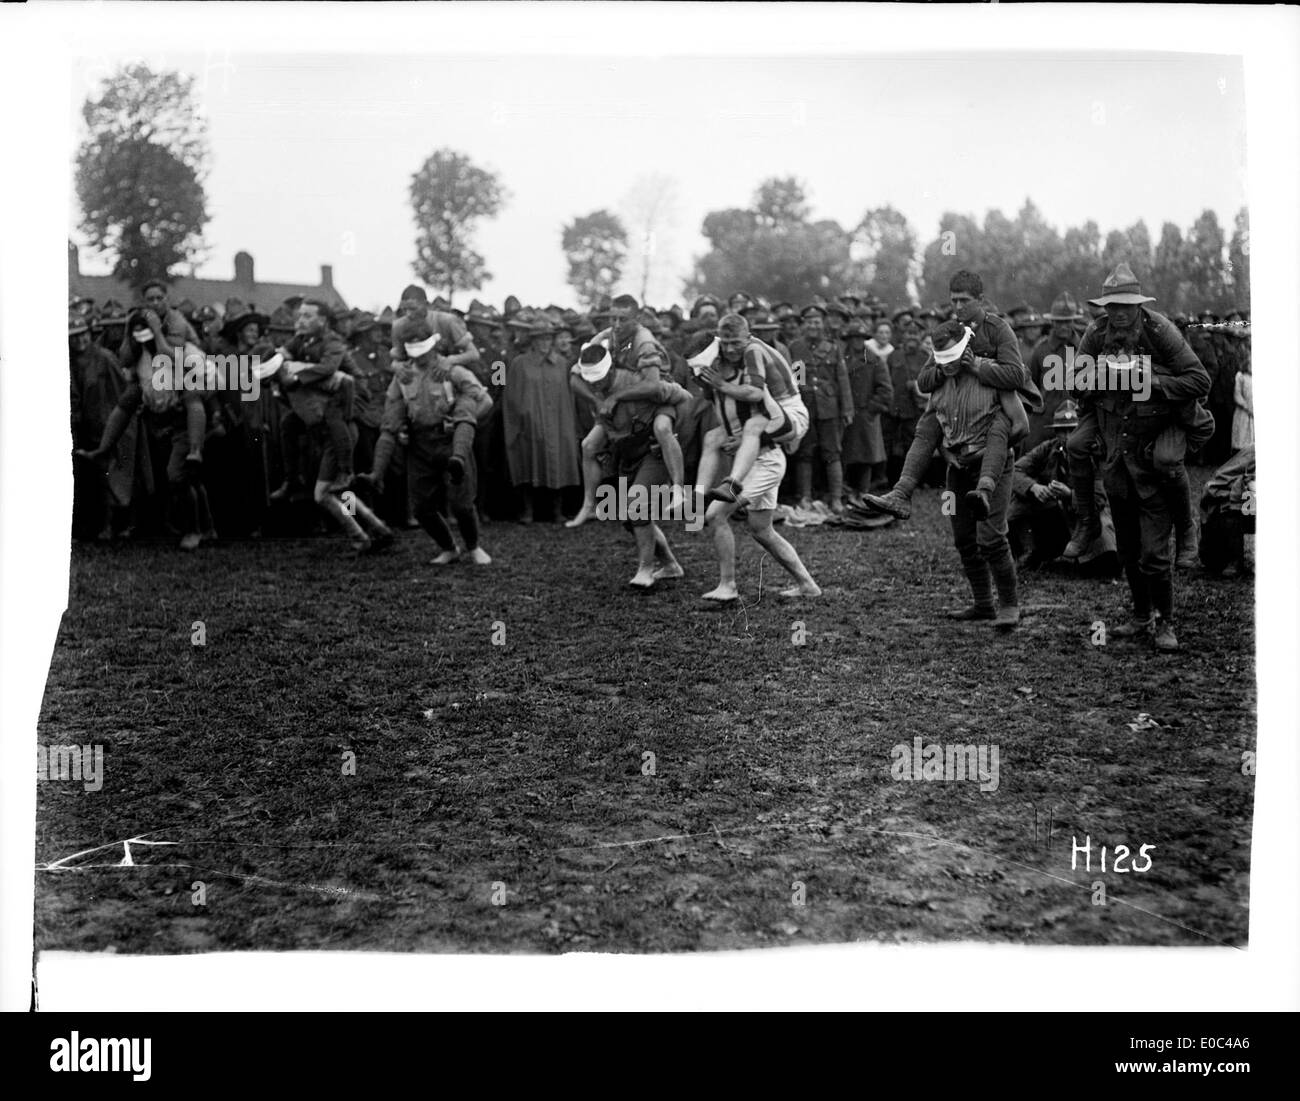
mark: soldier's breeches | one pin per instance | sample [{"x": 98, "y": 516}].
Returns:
[
  {"x": 928, "y": 435},
  {"x": 982, "y": 544}
]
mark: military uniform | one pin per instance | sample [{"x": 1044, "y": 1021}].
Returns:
[{"x": 1143, "y": 498}]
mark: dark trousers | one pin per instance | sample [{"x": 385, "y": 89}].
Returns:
[
  {"x": 982, "y": 544},
  {"x": 432, "y": 491},
  {"x": 1143, "y": 507}
]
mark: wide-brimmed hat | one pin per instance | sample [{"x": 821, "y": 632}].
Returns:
[
  {"x": 1066, "y": 416},
  {"x": 532, "y": 323},
  {"x": 813, "y": 310},
  {"x": 856, "y": 327},
  {"x": 234, "y": 322},
  {"x": 482, "y": 314},
  {"x": 281, "y": 319},
  {"x": 362, "y": 321},
  {"x": 77, "y": 323},
  {"x": 1121, "y": 288},
  {"x": 1064, "y": 308},
  {"x": 1031, "y": 320},
  {"x": 762, "y": 321},
  {"x": 386, "y": 318},
  {"x": 112, "y": 314},
  {"x": 898, "y": 315}
]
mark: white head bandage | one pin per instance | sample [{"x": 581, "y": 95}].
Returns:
[
  {"x": 948, "y": 355},
  {"x": 142, "y": 335},
  {"x": 594, "y": 372},
  {"x": 422, "y": 347},
  {"x": 706, "y": 357}
]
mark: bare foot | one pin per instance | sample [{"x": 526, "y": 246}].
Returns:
[
  {"x": 643, "y": 579},
  {"x": 796, "y": 592},
  {"x": 667, "y": 573},
  {"x": 584, "y": 514},
  {"x": 723, "y": 594}
]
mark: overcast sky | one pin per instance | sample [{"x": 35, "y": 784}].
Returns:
[{"x": 312, "y": 155}]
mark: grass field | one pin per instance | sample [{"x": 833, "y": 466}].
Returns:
[{"x": 502, "y": 799}]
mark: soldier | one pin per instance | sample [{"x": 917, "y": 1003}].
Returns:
[
  {"x": 1028, "y": 328},
  {"x": 176, "y": 421},
  {"x": 788, "y": 318},
  {"x": 1042, "y": 511},
  {"x": 1063, "y": 316},
  {"x": 541, "y": 435},
  {"x": 824, "y": 386},
  {"x": 97, "y": 384},
  {"x": 453, "y": 340},
  {"x": 967, "y": 405},
  {"x": 990, "y": 351},
  {"x": 437, "y": 405},
  {"x": 176, "y": 330},
  {"x": 873, "y": 395},
  {"x": 1139, "y": 441},
  {"x": 635, "y": 349},
  {"x": 908, "y": 403},
  {"x": 112, "y": 326},
  {"x": 313, "y": 378}
]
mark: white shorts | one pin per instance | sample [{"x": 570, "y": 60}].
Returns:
[
  {"x": 793, "y": 410},
  {"x": 762, "y": 483}
]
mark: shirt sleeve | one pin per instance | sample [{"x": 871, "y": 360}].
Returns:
[{"x": 331, "y": 359}]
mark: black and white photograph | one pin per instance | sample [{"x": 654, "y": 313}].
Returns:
[{"x": 644, "y": 480}]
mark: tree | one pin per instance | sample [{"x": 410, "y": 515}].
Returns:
[
  {"x": 1132, "y": 245},
  {"x": 781, "y": 203},
  {"x": 650, "y": 212},
  {"x": 449, "y": 194},
  {"x": 140, "y": 174},
  {"x": 1169, "y": 282},
  {"x": 596, "y": 247},
  {"x": 1239, "y": 259},
  {"x": 772, "y": 250},
  {"x": 1207, "y": 267},
  {"x": 884, "y": 248},
  {"x": 958, "y": 245}
]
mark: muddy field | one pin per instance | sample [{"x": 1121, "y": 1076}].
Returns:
[{"x": 529, "y": 757}]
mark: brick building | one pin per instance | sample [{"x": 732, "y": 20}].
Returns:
[{"x": 207, "y": 292}]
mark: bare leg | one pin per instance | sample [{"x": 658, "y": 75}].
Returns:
[
  {"x": 592, "y": 445},
  {"x": 645, "y": 555},
  {"x": 718, "y": 520},
  {"x": 760, "y": 527},
  {"x": 668, "y": 566},
  {"x": 710, "y": 449}
]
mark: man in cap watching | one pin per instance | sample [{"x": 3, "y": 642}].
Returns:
[
  {"x": 1063, "y": 316},
  {"x": 824, "y": 386},
  {"x": 1141, "y": 443}
]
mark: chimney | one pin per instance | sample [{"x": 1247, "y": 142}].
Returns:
[
  {"x": 244, "y": 270},
  {"x": 327, "y": 276},
  {"x": 74, "y": 261}
]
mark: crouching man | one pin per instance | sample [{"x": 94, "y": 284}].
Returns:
[{"x": 439, "y": 406}]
